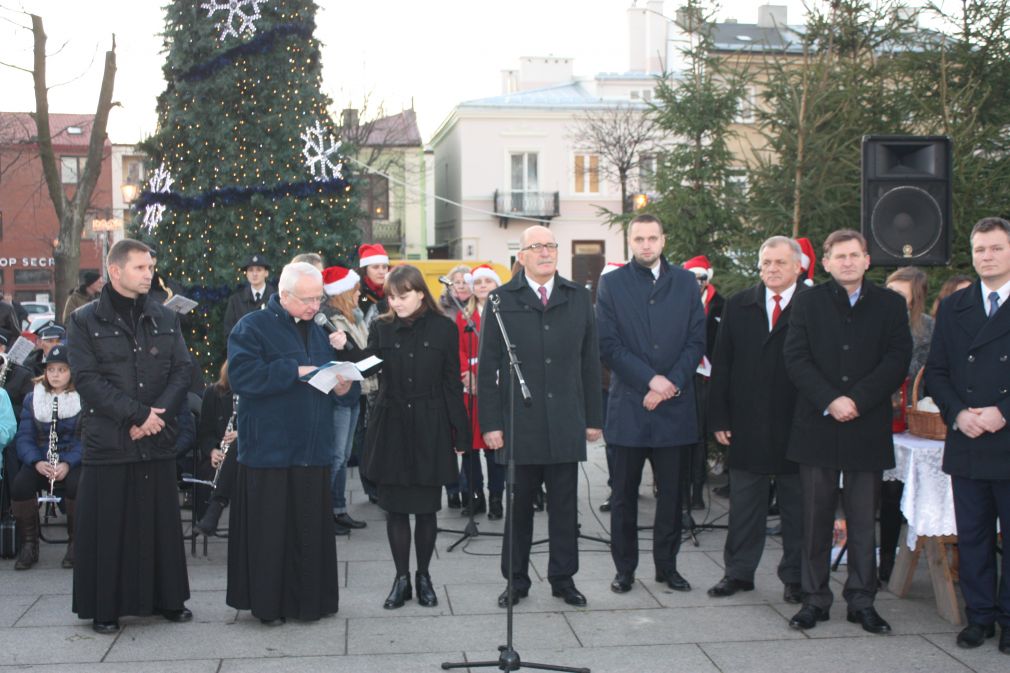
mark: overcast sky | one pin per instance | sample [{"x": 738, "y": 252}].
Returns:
[{"x": 398, "y": 52}]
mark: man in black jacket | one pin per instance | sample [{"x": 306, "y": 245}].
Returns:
[
  {"x": 751, "y": 404},
  {"x": 550, "y": 321},
  {"x": 847, "y": 350},
  {"x": 968, "y": 375},
  {"x": 132, "y": 369},
  {"x": 251, "y": 297}
]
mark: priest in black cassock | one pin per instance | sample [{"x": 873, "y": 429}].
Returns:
[
  {"x": 282, "y": 553},
  {"x": 132, "y": 371}
]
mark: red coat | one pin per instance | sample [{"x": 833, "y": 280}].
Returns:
[{"x": 468, "y": 349}]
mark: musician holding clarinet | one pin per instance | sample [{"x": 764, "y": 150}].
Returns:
[
  {"x": 49, "y": 446},
  {"x": 215, "y": 440}
]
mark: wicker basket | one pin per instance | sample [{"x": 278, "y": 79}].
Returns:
[{"x": 927, "y": 424}]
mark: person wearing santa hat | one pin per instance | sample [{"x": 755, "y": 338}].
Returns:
[
  {"x": 373, "y": 263},
  {"x": 807, "y": 261}
]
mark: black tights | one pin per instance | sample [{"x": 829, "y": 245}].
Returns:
[{"x": 398, "y": 530}]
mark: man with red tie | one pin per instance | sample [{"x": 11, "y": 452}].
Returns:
[{"x": 751, "y": 405}]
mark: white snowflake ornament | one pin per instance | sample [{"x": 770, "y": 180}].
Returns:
[
  {"x": 160, "y": 183},
  {"x": 247, "y": 12},
  {"x": 320, "y": 150}
]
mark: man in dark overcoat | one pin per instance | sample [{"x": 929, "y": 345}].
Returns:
[
  {"x": 132, "y": 370},
  {"x": 968, "y": 376},
  {"x": 550, "y": 321},
  {"x": 847, "y": 350},
  {"x": 751, "y": 405},
  {"x": 249, "y": 297},
  {"x": 652, "y": 336}
]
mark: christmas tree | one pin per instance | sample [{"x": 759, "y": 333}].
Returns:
[{"x": 245, "y": 154}]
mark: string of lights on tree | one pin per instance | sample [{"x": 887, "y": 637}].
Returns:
[{"x": 247, "y": 159}]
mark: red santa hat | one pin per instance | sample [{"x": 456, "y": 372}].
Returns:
[
  {"x": 611, "y": 266},
  {"x": 700, "y": 266},
  {"x": 372, "y": 253},
  {"x": 807, "y": 259},
  {"x": 338, "y": 280},
  {"x": 482, "y": 271}
]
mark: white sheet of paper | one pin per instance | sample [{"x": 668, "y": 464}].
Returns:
[
  {"x": 324, "y": 378},
  {"x": 20, "y": 350},
  {"x": 181, "y": 305}
]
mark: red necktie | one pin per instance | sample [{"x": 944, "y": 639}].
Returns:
[
  {"x": 777, "y": 311},
  {"x": 543, "y": 295}
]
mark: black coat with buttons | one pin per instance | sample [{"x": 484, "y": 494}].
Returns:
[
  {"x": 418, "y": 419},
  {"x": 862, "y": 352},
  {"x": 969, "y": 366},
  {"x": 558, "y": 349},
  {"x": 121, "y": 373}
]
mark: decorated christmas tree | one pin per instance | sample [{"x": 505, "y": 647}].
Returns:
[{"x": 245, "y": 155}]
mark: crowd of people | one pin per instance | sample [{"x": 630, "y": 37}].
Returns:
[{"x": 802, "y": 385}]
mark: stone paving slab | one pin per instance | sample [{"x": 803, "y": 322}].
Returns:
[
  {"x": 54, "y": 610},
  {"x": 52, "y": 645},
  {"x": 628, "y": 659},
  {"x": 984, "y": 659},
  {"x": 475, "y": 599},
  {"x": 13, "y": 607},
  {"x": 366, "y": 601},
  {"x": 171, "y": 666},
  {"x": 371, "y": 663},
  {"x": 35, "y": 582}
]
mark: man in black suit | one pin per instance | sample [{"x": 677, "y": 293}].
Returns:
[
  {"x": 968, "y": 375},
  {"x": 847, "y": 350},
  {"x": 251, "y": 297},
  {"x": 751, "y": 405}
]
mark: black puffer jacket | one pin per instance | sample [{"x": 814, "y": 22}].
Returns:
[{"x": 121, "y": 375}]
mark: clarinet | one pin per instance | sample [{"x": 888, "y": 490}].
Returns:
[
  {"x": 226, "y": 445},
  {"x": 53, "y": 454}
]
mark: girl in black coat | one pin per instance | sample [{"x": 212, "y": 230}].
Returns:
[
  {"x": 417, "y": 423},
  {"x": 216, "y": 412}
]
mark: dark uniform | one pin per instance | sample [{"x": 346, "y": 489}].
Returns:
[{"x": 242, "y": 300}]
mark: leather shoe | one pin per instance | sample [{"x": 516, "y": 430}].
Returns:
[
  {"x": 728, "y": 586},
  {"x": 570, "y": 594},
  {"x": 105, "y": 628},
  {"x": 622, "y": 583},
  {"x": 517, "y": 594},
  {"x": 426, "y": 596},
  {"x": 974, "y": 635},
  {"x": 1004, "y": 639},
  {"x": 673, "y": 579},
  {"x": 792, "y": 593},
  {"x": 273, "y": 622},
  {"x": 605, "y": 507},
  {"x": 401, "y": 591},
  {"x": 869, "y": 620},
  {"x": 808, "y": 616},
  {"x": 183, "y": 615},
  {"x": 340, "y": 530},
  {"x": 344, "y": 519}
]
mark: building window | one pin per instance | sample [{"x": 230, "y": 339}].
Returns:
[
  {"x": 647, "y": 172},
  {"x": 524, "y": 172},
  {"x": 587, "y": 173},
  {"x": 33, "y": 277},
  {"x": 71, "y": 169},
  {"x": 378, "y": 197},
  {"x": 746, "y": 106}
]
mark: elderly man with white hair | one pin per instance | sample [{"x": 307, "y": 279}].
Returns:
[{"x": 282, "y": 557}]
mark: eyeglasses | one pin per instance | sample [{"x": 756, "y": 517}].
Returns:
[
  {"x": 537, "y": 247},
  {"x": 308, "y": 301}
]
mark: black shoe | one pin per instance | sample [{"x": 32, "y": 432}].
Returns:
[
  {"x": 105, "y": 628},
  {"x": 974, "y": 635},
  {"x": 340, "y": 530},
  {"x": 623, "y": 582},
  {"x": 208, "y": 522},
  {"x": 728, "y": 586},
  {"x": 401, "y": 591},
  {"x": 279, "y": 621},
  {"x": 869, "y": 620},
  {"x": 426, "y": 596},
  {"x": 494, "y": 508},
  {"x": 885, "y": 567},
  {"x": 454, "y": 501},
  {"x": 571, "y": 595},
  {"x": 673, "y": 579},
  {"x": 1004, "y": 639},
  {"x": 538, "y": 500},
  {"x": 721, "y": 491},
  {"x": 183, "y": 615},
  {"x": 477, "y": 504},
  {"x": 605, "y": 507},
  {"x": 792, "y": 593},
  {"x": 808, "y": 616},
  {"x": 345, "y": 520},
  {"x": 517, "y": 594}
]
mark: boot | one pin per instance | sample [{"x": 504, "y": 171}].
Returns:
[
  {"x": 494, "y": 507},
  {"x": 425, "y": 592},
  {"x": 476, "y": 504},
  {"x": 208, "y": 522},
  {"x": 68, "y": 557},
  {"x": 400, "y": 592},
  {"x": 26, "y": 514}
]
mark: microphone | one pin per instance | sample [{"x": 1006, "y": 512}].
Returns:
[
  {"x": 324, "y": 322},
  {"x": 444, "y": 280}
]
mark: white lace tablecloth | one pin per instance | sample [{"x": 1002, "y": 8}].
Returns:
[{"x": 927, "y": 501}]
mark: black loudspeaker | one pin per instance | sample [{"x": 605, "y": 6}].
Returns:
[{"x": 906, "y": 200}]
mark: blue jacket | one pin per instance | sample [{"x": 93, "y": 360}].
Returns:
[
  {"x": 8, "y": 422},
  {"x": 648, "y": 327},
  {"x": 282, "y": 422},
  {"x": 33, "y": 436}
]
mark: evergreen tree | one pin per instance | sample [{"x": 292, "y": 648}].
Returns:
[{"x": 244, "y": 87}]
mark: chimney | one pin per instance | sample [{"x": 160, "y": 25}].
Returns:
[
  {"x": 349, "y": 118},
  {"x": 772, "y": 16},
  {"x": 647, "y": 37},
  {"x": 509, "y": 81}
]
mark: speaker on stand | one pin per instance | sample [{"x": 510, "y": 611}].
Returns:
[{"x": 906, "y": 200}]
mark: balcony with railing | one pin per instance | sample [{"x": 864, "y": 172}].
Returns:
[
  {"x": 387, "y": 232},
  {"x": 540, "y": 205}
]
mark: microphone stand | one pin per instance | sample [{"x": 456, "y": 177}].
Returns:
[
  {"x": 508, "y": 659},
  {"x": 471, "y": 530}
]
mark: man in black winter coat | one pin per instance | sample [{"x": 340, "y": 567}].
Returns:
[
  {"x": 251, "y": 297},
  {"x": 847, "y": 351}
]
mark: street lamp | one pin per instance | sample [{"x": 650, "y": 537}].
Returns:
[
  {"x": 130, "y": 192},
  {"x": 103, "y": 227}
]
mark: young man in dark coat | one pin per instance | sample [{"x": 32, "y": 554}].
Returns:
[
  {"x": 550, "y": 321},
  {"x": 251, "y": 297},
  {"x": 750, "y": 407},
  {"x": 847, "y": 350},
  {"x": 132, "y": 369},
  {"x": 968, "y": 375}
]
